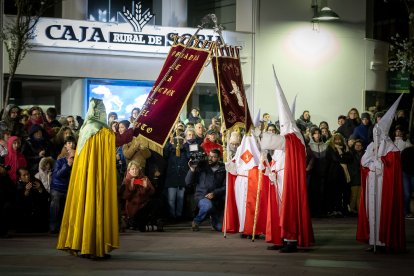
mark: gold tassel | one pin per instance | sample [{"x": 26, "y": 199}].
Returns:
[{"x": 177, "y": 149}]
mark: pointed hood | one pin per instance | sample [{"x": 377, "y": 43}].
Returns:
[
  {"x": 386, "y": 120},
  {"x": 286, "y": 120},
  {"x": 293, "y": 107},
  {"x": 256, "y": 120}
]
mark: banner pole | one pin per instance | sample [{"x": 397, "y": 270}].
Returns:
[
  {"x": 256, "y": 210},
  {"x": 204, "y": 21},
  {"x": 376, "y": 145}
]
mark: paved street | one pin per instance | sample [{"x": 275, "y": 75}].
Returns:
[{"x": 179, "y": 251}]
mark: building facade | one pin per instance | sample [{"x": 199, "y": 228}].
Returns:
[{"x": 330, "y": 66}]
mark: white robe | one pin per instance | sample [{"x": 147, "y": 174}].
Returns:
[{"x": 374, "y": 183}]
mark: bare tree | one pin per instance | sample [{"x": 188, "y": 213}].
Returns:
[{"x": 18, "y": 32}]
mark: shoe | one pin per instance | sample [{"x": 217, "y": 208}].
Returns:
[
  {"x": 290, "y": 247},
  {"x": 378, "y": 249},
  {"x": 409, "y": 216},
  {"x": 195, "y": 227},
  {"x": 370, "y": 249},
  {"x": 275, "y": 247},
  {"x": 160, "y": 225}
]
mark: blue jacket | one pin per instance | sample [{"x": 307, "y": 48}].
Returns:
[
  {"x": 361, "y": 132},
  {"x": 61, "y": 176}
]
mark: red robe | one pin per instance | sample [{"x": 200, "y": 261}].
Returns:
[
  {"x": 231, "y": 220},
  {"x": 392, "y": 223},
  {"x": 273, "y": 219},
  {"x": 251, "y": 204},
  {"x": 295, "y": 223}
]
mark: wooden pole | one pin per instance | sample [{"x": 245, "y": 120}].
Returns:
[{"x": 256, "y": 211}]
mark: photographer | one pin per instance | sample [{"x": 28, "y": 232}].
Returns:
[{"x": 209, "y": 179}]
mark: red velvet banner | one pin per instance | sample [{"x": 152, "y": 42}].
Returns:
[
  {"x": 230, "y": 87},
  {"x": 165, "y": 101}
]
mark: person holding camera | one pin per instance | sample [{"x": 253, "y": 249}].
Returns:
[
  {"x": 209, "y": 179},
  {"x": 137, "y": 192}
]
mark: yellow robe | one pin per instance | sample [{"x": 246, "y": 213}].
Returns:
[{"x": 90, "y": 220}]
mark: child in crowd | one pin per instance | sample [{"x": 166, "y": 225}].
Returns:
[{"x": 136, "y": 192}]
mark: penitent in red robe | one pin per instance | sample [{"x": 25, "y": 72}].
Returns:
[
  {"x": 392, "y": 224},
  {"x": 294, "y": 220},
  {"x": 231, "y": 221}
]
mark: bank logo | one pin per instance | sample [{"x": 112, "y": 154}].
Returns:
[{"x": 137, "y": 18}]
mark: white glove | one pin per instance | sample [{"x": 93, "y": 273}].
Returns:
[
  {"x": 231, "y": 167},
  {"x": 376, "y": 166},
  {"x": 272, "y": 177}
]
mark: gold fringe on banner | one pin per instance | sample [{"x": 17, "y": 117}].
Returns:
[
  {"x": 194, "y": 44},
  {"x": 228, "y": 51},
  {"x": 145, "y": 142}
]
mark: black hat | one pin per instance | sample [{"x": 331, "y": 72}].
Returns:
[
  {"x": 365, "y": 115},
  {"x": 34, "y": 129}
]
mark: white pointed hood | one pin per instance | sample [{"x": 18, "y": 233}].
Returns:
[
  {"x": 256, "y": 120},
  {"x": 286, "y": 120},
  {"x": 293, "y": 107},
  {"x": 382, "y": 141},
  {"x": 385, "y": 123}
]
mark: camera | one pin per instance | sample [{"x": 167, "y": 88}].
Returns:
[
  {"x": 197, "y": 155},
  {"x": 6, "y": 167}
]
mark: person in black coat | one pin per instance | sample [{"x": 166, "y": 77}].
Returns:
[
  {"x": 351, "y": 122},
  {"x": 338, "y": 157},
  {"x": 209, "y": 179},
  {"x": 7, "y": 196},
  {"x": 176, "y": 156},
  {"x": 32, "y": 203},
  {"x": 407, "y": 161}
]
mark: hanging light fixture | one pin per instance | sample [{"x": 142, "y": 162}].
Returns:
[{"x": 325, "y": 14}]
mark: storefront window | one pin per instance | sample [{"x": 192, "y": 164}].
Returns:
[
  {"x": 225, "y": 10},
  {"x": 111, "y": 10},
  {"x": 119, "y": 96}
]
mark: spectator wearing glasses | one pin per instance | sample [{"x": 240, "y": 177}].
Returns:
[{"x": 36, "y": 118}]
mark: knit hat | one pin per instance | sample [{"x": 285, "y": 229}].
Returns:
[
  {"x": 34, "y": 129},
  {"x": 365, "y": 115}
]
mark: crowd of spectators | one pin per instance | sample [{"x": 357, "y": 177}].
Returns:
[{"x": 37, "y": 152}]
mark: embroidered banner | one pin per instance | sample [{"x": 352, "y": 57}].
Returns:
[
  {"x": 170, "y": 92},
  {"x": 230, "y": 87}
]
